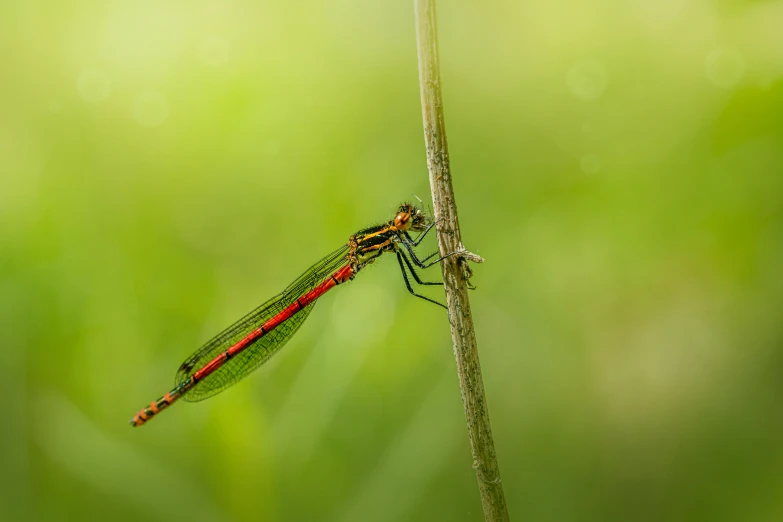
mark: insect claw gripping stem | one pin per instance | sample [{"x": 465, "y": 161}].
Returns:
[
  {"x": 234, "y": 353},
  {"x": 463, "y": 261}
]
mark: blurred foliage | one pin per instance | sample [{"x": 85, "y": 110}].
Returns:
[{"x": 165, "y": 167}]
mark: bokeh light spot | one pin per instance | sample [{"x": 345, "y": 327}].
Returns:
[
  {"x": 587, "y": 80},
  {"x": 150, "y": 109},
  {"x": 215, "y": 51},
  {"x": 725, "y": 67},
  {"x": 94, "y": 85}
]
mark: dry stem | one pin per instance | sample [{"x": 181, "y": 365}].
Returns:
[{"x": 455, "y": 269}]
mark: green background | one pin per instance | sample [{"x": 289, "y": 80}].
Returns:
[{"x": 166, "y": 167}]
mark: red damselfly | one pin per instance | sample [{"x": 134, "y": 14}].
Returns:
[{"x": 247, "y": 344}]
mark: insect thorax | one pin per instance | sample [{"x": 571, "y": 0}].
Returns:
[{"x": 368, "y": 244}]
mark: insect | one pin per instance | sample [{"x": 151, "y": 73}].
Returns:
[{"x": 247, "y": 344}]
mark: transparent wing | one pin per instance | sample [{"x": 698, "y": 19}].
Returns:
[{"x": 257, "y": 353}]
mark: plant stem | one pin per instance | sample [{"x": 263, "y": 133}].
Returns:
[{"x": 455, "y": 269}]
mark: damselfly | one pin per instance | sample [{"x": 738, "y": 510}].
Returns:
[{"x": 247, "y": 344}]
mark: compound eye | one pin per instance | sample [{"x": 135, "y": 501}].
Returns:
[{"x": 401, "y": 220}]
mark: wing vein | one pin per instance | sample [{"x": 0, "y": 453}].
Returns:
[{"x": 259, "y": 351}]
